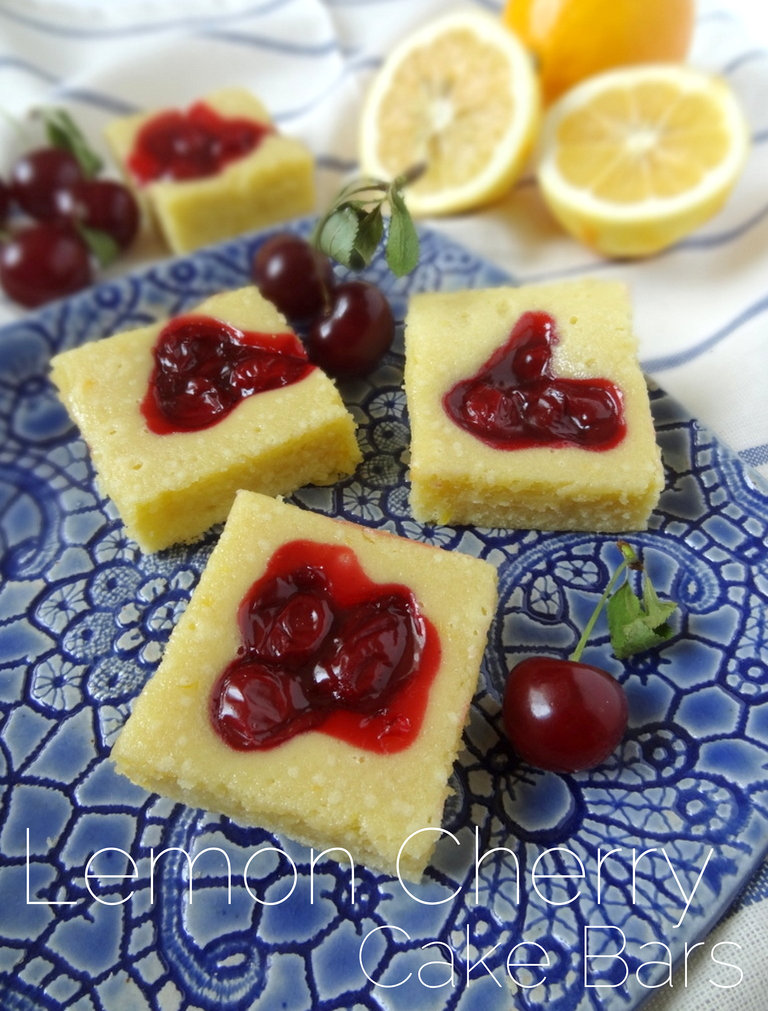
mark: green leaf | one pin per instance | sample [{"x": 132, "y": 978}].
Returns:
[
  {"x": 658, "y": 611},
  {"x": 64, "y": 133},
  {"x": 101, "y": 244},
  {"x": 352, "y": 228},
  {"x": 336, "y": 235},
  {"x": 403, "y": 239},
  {"x": 637, "y": 625},
  {"x": 369, "y": 234}
]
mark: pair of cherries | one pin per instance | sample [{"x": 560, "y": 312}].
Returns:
[{"x": 347, "y": 326}]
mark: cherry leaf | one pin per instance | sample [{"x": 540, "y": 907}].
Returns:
[
  {"x": 100, "y": 244},
  {"x": 370, "y": 231},
  {"x": 351, "y": 230},
  {"x": 336, "y": 234},
  {"x": 64, "y": 133},
  {"x": 403, "y": 239},
  {"x": 635, "y": 624}
]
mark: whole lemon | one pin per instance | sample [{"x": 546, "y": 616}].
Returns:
[{"x": 573, "y": 39}]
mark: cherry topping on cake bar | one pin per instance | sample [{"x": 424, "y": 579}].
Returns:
[
  {"x": 203, "y": 368},
  {"x": 515, "y": 400},
  {"x": 324, "y": 646},
  {"x": 192, "y": 144}
]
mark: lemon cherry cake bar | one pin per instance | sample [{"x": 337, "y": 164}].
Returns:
[
  {"x": 179, "y": 415},
  {"x": 317, "y": 684},
  {"x": 214, "y": 170},
  {"x": 529, "y": 409}
]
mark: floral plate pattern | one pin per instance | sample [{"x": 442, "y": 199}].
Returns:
[{"x": 595, "y": 880}]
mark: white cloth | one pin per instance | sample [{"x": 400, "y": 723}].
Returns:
[{"x": 701, "y": 308}]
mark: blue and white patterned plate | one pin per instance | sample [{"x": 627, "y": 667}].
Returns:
[{"x": 597, "y": 879}]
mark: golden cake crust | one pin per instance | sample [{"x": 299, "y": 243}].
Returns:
[{"x": 315, "y": 788}]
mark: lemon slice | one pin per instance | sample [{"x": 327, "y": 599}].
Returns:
[
  {"x": 459, "y": 96},
  {"x": 632, "y": 160}
]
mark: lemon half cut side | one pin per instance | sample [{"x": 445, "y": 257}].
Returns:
[
  {"x": 632, "y": 160},
  {"x": 460, "y": 97}
]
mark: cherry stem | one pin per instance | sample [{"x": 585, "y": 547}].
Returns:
[
  {"x": 370, "y": 186},
  {"x": 411, "y": 175},
  {"x": 629, "y": 560}
]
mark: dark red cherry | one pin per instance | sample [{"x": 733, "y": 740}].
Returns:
[
  {"x": 42, "y": 262},
  {"x": 104, "y": 204},
  {"x": 294, "y": 276},
  {"x": 354, "y": 333},
  {"x": 5, "y": 202},
  {"x": 290, "y": 618},
  {"x": 37, "y": 176},
  {"x": 563, "y": 715}
]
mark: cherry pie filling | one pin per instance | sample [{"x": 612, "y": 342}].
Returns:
[
  {"x": 324, "y": 647},
  {"x": 203, "y": 368},
  {"x": 516, "y": 401},
  {"x": 192, "y": 144}
]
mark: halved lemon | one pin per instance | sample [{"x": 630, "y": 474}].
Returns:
[
  {"x": 632, "y": 160},
  {"x": 460, "y": 97}
]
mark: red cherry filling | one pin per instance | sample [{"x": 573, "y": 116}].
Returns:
[
  {"x": 259, "y": 706},
  {"x": 371, "y": 652},
  {"x": 203, "y": 368},
  {"x": 324, "y": 646},
  {"x": 289, "y": 617},
  {"x": 192, "y": 144},
  {"x": 515, "y": 400}
]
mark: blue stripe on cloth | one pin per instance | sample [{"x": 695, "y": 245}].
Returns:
[
  {"x": 274, "y": 45},
  {"x": 28, "y": 67},
  {"x": 688, "y": 354}
]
